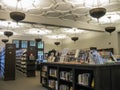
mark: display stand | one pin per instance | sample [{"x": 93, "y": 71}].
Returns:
[{"x": 65, "y": 76}]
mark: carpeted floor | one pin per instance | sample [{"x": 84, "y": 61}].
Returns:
[{"x": 22, "y": 83}]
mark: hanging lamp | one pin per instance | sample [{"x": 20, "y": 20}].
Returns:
[
  {"x": 8, "y": 33},
  {"x": 38, "y": 39},
  {"x": 110, "y": 29},
  {"x": 74, "y": 38},
  {"x": 5, "y": 40},
  {"x": 57, "y": 43},
  {"x": 17, "y": 15},
  {"x": 97, "y": 12}
]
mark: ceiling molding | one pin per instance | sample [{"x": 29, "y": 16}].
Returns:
[{"x": 55, "y": 22}]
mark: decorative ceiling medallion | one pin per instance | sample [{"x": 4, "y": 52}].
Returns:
[
  {"x": 97, "y": 12},
  {"x": 57, "y": 43},
  {"x": 53, "y": 14},
  {"x": 110, "y": 29},
  {"x": 70, "y": 16},
  {"x": 74, "y": 38},
  {"x": 5, "y": 40},
  {"x": 80, "y": 10},
  {"x": 17, "y": 16},
  {"x": 63, "y": 6},
  {"x": 8, "y": 33},
  {"x": 36, "y": 11}
]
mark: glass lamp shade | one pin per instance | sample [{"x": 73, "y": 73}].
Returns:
[
  {"x": 57, "y": 43},
  {"x": 5, "y": 40},
  {"x": 97, "y": 12},
  {"x": 110, "y": 29},
  {"x": 17, "y": 16},
  {"x": 74, "y": 38},
  {"x": 38, "y": 39},
  {"x": 8, "y": 33}
]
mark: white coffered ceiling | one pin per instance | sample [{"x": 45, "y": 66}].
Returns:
[{"x": 51, "y": 17}]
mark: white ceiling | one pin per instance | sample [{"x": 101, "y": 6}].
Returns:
[{"x": 53, "y": 16}]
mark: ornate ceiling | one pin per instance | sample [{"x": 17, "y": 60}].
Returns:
[{"x": 55, "y": 16}]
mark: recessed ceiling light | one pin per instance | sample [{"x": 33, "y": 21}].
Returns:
[
  {"x": 73, "y": 30},
  {"x": 59, "y": 36},
  {"x": 9, "y": 24},
  {"x": 38, "y": 31}
]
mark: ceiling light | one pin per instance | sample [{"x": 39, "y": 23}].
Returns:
[
  {"x": 60, "y": 36},
  {"x": 10, "y": 23},
  {"x": 97, "y": 12},
  {"x": 110, "y": 29},
  {"x": 35, "y": 31},
  {"x": 17, "y": 16},
  {"x": 73, "y": 30},
  {"x": 8, "y": 33},
  {"x": 5, "y": 40},
  {"x": 57, "y": 43},
  {"x": 74, "y": 38}
]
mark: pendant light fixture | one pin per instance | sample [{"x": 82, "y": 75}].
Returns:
[
  {"x": 8, "y": 33},
  {"x": 57, "y": 42},
  {"x": 75, "y": 38},
  {"x": 17, "y": 15},
  {"x": 38, "y": 39},
  {"x": 110, "y": 29},
  {"x": 97, "y": 12},
  {"x": 5, "y": 40}
]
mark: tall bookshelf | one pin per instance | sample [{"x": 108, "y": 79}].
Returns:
[
  {"x": 25, "y": 61},
  {"x": 7, "y": 59},
  {"x": 80, "y": 77},
  {"x": 39, "y": 46}
]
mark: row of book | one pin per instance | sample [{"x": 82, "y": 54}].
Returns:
[
  {"x": 53, "y": 72},
  {"x": 44, "y": 68},
  {"x": 84, "y": 79},
  {"x": 53, "y": 84},
  {"x": 65, "y": 87},
  {"x": 65, "y": 75}
]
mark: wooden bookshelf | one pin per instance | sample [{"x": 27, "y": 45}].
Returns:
[
  {"x": 25, "y": 61},
  {"x": 82, "y": 76},
  {"x": 7, "y": 59}
]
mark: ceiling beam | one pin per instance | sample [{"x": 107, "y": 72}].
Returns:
[{"x": 38, "y": 19}]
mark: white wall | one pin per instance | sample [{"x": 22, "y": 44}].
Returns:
[
  {"x": 86, "y": 40},
  {"x": 99, "y": 40}
]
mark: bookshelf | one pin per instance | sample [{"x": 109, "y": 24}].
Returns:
[
  {"x": 81, "y": 76},
  {"x": 25, "y": 61},
  {"x": 39, "y": 46},
  {"x": 7, "y": 65}
]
